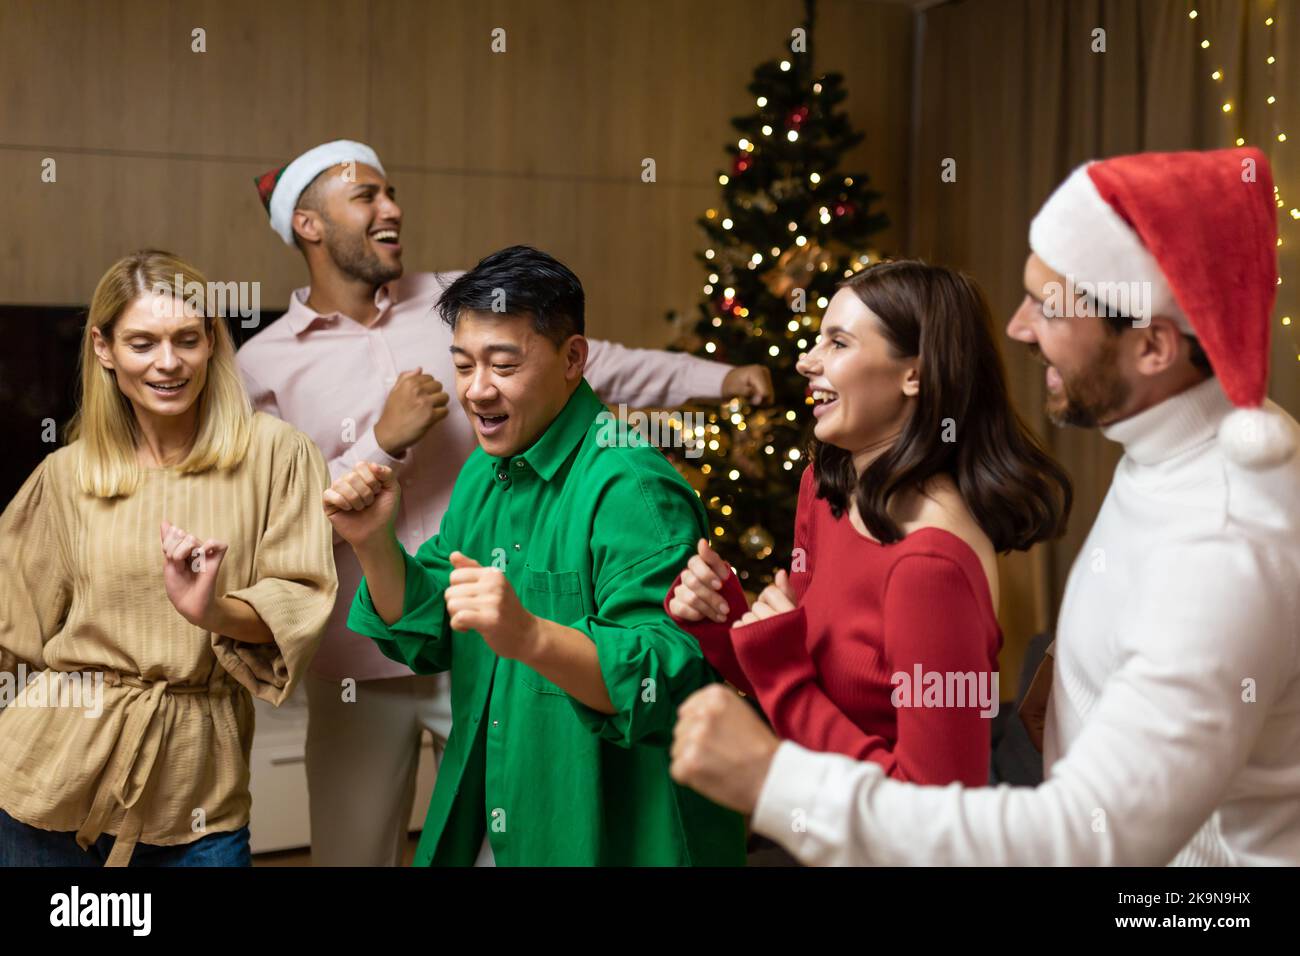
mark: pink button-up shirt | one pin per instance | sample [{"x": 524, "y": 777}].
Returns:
[{"x": 329, "y": 376}]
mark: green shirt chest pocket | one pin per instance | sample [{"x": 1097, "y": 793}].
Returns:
[{"x": 553, "y": 596}]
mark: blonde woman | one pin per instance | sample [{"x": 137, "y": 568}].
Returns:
[{"x": 169, "y": 562}]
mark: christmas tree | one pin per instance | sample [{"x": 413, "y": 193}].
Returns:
[{"x": 790, "y": 225}]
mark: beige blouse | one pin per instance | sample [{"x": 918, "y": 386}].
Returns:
[{"x": 81, "y": 591}]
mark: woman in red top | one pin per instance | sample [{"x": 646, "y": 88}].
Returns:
[{"x": 882, "y": 641}]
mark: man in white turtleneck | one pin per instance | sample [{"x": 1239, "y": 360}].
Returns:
[{"x": 1173, "y": 729}]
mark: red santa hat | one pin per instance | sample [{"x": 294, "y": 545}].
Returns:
[
  {"x": 280, "y": 188},
  {"x": 1197, "y": 233}
]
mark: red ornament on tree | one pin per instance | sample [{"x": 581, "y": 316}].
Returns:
[
  {"x": 740, "y": 164},
  {"x": 796, "y": 119}
]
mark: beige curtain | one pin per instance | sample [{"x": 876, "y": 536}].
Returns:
[{"x": 1013, "y": 91}]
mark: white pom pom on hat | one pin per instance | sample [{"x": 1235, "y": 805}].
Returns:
[{"x": 1257, "y": 438}]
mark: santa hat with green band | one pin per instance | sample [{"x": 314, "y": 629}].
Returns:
[
  {"x": 280, "y": 188},
  {"x": 1198, "y": 232}
]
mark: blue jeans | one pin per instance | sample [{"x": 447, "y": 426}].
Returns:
[{"x": 24, "y": 845}]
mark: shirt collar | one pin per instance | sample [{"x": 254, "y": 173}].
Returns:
[
  {"x": 301, "y": 316},
  {"x": 1173, "y": 426},
  {"x": 548, "y": 453}
]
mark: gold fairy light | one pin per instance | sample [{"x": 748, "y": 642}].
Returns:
[{"x": 1279, "y": 135}]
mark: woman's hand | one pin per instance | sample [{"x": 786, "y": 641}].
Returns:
[
  {"x": 698, "y": 596},
  {"x": 777, "y": 598},
  {"x": 190, "y": 573}
]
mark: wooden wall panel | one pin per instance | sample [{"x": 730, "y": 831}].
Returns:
[{"x": 158, "y": 145}]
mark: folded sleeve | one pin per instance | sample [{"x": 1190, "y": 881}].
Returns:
[
  {"x": 714, "y": 637},
  {"x": 35, "y": 578},
  {"x": 294, "y": 582},
  {"x": 1160, "y": 749},
  {"x": 649, "y": 664},
  {"x": 650, "y": 378},
  {"x": 930, "y": 616}
]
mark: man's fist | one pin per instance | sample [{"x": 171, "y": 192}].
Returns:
[
  {"x": 416, "y": 403},
  {"x": 721, "y": 749},
  {"x": 753, "y": 383},
  {"x": 361, "y": 503},
  {"x": 481, "y": 599}
]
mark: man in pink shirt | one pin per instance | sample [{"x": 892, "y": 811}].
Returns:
[{"x": 358, "y": 363}]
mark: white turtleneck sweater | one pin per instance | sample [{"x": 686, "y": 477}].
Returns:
[{"x": 1173, "y": 734}]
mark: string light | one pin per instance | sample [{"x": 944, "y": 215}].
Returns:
[{"x": 1279, "y": 135}]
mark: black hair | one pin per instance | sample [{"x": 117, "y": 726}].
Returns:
[{"x": 520, "y": 280}]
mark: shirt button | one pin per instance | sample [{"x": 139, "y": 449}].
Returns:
[
  {"x": 501, "y": 476},
  {"x": 516, "y": 547},
  {"x": 495, "y": 723},
  {"x": 519, "y": 464}
]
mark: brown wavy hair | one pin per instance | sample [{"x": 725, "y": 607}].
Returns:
[{"x": 1017, "y": 493}]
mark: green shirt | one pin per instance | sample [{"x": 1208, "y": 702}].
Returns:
[{"x": 591, "y": 533}]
